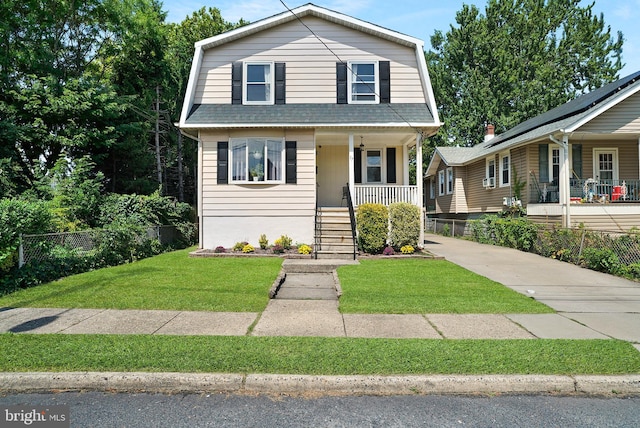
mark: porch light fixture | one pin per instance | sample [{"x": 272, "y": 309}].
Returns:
[{"x": 361, "y": 144}]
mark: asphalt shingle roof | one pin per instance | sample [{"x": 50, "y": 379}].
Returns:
[{"x": 310, "y": 114}]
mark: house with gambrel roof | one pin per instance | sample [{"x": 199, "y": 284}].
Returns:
[
  {"x": 576, "y": 164},
  {"x": 300, "y": 116}
]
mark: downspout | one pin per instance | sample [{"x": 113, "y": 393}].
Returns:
[{"x": 564, "y": 179}]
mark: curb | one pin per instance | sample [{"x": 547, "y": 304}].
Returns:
[{"x": 297, "y": 385}]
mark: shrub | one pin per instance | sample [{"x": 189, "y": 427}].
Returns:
[
  {"x": 304, "y": 249},
  {"x": 18, "y": 217},
  {"x": 248, "y": 249},
  {"x": 446, "y": 230},
  {"x": 284, "y": 241},
  {"x": 404, "y": 220},
  {"x": 263, "y": 241},
  {"x": 277, "y": 249},
  {"x": 518, "y": 233},
  {"x": 407, "y": 249},
  {"x": 238, "y": 246},
  {"x": 373, "y": 226},
  {"x": 388, "y": 251},
  {"x": 603, "y": 260},
  {"x": 220, "y": 249}
]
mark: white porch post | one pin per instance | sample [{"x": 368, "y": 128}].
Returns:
[
  {"x": 565, "y": 175},
  {"x": 405, "y": 162},
  {"x": 419, "y": 183},
  {"x": 352, "y": 174}
]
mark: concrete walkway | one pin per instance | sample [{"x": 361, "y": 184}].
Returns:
[{"x": 590, "y": 305}]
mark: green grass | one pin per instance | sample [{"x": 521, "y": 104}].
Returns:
[
  {"x": 404, "y": 286},
  {"x": 313, "y": 355},
  {"x": 169, "y": 281}
]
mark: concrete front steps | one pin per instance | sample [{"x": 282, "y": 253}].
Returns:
[
  {"x": 334, "y": 239},
  {"x": 306, "y": 279}
]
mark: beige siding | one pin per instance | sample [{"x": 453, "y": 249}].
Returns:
[
  {"x": 459, "y": 191},
  {"x": 622, "y": 118},
  {"x": 264, "y": 200},
  {"x": 607, "y": 222},
  {"x": 311, "y": 67},
  {"x": 627, "y": 157}
]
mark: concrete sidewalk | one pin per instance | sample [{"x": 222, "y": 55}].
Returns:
[{"x": 603, "y": 303}]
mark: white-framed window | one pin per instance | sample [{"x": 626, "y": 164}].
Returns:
[
  {"x": 257, "y": 160},
  {"x": 554, "y": 165},
  {"x": 490, "y": 173},
  {"x": 605, "y": 163},
  {"x": 449, "y": 180},
  {"x": 374, "y": 166},
  {"x": 258, "y": 86},
  {"x": 363, "y": 82},
  {"x": 505, "y": 169},
  {"x": 441, "y": 183}
]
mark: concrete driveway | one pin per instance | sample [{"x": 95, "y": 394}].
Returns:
[{"x": 605, "y": 303}]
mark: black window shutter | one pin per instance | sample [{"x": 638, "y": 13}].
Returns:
[
  {"x": 385, "y": 82},
  {"x": 391, "y": 165},
  {"x": 223, "y": 162},
  {"x": 236, "y": 83},
  {"x": 291, "y": 162},
  {"x": 341, "y": 79},
  {"x": 281, "y": 93},
  {"x": 357, "y": 165},
  {"x": 543, "y": 163},
  {"x": 576, "y": 160}
]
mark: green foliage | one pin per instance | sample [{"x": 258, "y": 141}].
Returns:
[
  {"x": 263, "y": 241},
  {"x": 446, "y": 230},
  {"x": 601, "y": 259},
  {"x": 373, "y": 225},
  {"x": 238, "y": 246},
  {"x": 517, "y": 60},
  {"x": 248, "y": 249},
  {"x": 510, "y": 232},
  {"x": 19, "y": 217},
  {"x": 284, "y": 241},
  {"x": 404, "y": 221}
]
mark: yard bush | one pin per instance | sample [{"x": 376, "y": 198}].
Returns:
[
  {"x": 18, "y": 217},
  {"x": 601, "y": 259},
  {"x": 404, "y": 220},
  {"x": 373, "y": 226},
  {"x": 510, "y": 232}
]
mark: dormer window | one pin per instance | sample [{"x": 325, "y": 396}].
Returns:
[
  {"x": 363, "y": 82},
  {"x": 258, "y": 83}
]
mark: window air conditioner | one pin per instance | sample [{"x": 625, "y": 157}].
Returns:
[{"x": 489, "y": 183}]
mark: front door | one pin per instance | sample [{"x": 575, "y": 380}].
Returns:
[{"x": 332, "y": 174}]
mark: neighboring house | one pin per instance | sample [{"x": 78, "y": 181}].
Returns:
[
  {"x": 578, "y": 163},
  {"x": 290, "y": 110}
]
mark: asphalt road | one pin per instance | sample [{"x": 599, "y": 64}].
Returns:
[{"x": 153, "y": 410}]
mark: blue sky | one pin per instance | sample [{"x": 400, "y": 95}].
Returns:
[{"x": 417, "y": 18}]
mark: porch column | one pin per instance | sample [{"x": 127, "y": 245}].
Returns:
[
  {"x": 405, "y": 162},
  {"x": 565, "y": 176},
  {"x": 352, "y": 173},
  {"x": 419, "y": 180}
]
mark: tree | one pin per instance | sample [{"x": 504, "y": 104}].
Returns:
[{"x": 520, "y": 59}]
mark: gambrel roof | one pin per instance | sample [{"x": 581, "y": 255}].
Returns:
[
  {"x": 565, "y": 118},
  {"x": 197, "y": 116}
]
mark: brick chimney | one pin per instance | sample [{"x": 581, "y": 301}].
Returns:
[{"x": 489, "y": 132}]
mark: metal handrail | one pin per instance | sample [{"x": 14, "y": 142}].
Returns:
[
  {"x": 316, "y": 235},
  {"x": 352, "y": 218}
]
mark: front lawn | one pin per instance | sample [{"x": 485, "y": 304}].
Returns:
[
  {"x": 313, "y": 355},
  {"x": 172, "y": 281},
  {"x": 419, "y": 286}
]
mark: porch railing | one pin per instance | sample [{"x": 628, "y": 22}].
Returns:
[
  {"x": 385, "y": 194},
  {"x": 590, "y": 190}
]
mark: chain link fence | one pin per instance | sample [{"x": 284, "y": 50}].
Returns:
[
  {"x": 608, "y": 251},
  {"x": 34, "y": 248}
]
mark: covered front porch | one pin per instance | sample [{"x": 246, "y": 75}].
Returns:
[{"x": 374, "y": 166}]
